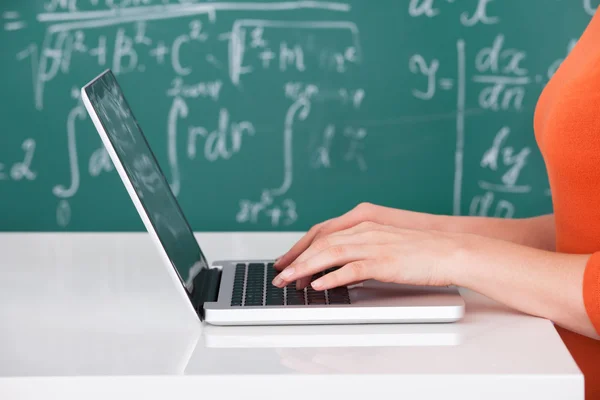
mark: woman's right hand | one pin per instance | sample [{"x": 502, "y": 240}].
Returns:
[{"x": 364, "y": 212}]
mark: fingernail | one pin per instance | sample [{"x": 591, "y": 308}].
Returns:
[
  {"x": 318, "y": 284},
  {"x": 277, "y": 281},
  {"x": 277, "y": 260}
]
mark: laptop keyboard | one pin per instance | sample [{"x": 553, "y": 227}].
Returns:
[{"x": 252, "y": 287}]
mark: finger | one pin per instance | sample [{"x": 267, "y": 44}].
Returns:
[
  {"x": 353, "y": 272},
  {"x": 298, "y": 248},
  {"x": 369, "y": 233},
  {"x": 358, "y": 214},
  {"x": 342, "y": 238},
  {"x": 303, "y": 282},
  {"x": 333, "y": 256},
  {"x": 366, "y": 226},
  {"x": 320, "y": 245},
  {"x": 379, "y": 235}
]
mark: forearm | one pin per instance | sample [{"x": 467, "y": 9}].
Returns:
[
  {"x": 536, "y": 232},
  {"x": 536, "y": 282}
]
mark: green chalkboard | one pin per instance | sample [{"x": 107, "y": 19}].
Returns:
[{"x": 275, "y": 115}]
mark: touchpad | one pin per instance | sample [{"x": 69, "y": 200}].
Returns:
[{"x": 391, "y": 294}]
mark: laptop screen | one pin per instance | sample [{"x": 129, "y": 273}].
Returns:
[{"x": 149, "y": 182}]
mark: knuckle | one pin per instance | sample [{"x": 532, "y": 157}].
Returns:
[
  {"x": 337, "y": 251},
  {"x": 364, "y": 206},
  {"x": 315, "y": 228},
  {"x": 369, "y": 235},
  {"x": 366, "y": 225},
  {"x": 321, "y": 243},
  {"x": 334, "y": 278},
  {"x": 363, "y": 209},
  {"x": 324, "y": 228},
  {"x": 300, "y": 268},
  {"x": 357, "y": 269},
  {"x": 301, "y": 271}
]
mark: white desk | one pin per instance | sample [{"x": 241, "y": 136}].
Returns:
[{"x": 91, "y": 316}]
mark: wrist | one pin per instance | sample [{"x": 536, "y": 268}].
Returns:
[
  {"x": 422, "y": 221},
  {"x": 463, "y": 260},
  {"x": 434, "y": 222}
]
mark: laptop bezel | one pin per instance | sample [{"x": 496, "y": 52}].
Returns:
[{"x": 171, "y": 269}]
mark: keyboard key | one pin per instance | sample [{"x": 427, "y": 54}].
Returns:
[
  {"x": 253, "y": 302},
  {"x": 274, "y": 296},
  {"x": 315, "y": 297},
  {"x": 250, "y": 289},
  {"x": 274, "y": 300},
  {"x": 294, "y": 297},
  {"x": 339, "y": 295},
  {"x": 255, "y": 283},
  {"x": 271, "y": 273},
  {"x": 238, "y": 284}
]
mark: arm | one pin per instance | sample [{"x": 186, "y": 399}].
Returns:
[
  {"x": 535, "y": 232},
  {"x": 537, "y": 282}
]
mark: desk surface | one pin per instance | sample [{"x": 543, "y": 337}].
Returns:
[{"x": 95, "y": 315}]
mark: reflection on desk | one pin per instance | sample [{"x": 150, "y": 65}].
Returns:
[{"x": 73, "y": 351}]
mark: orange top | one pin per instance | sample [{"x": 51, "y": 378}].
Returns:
[{"x": 567, "y": 129}]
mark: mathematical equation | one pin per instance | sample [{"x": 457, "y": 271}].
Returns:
[
  {"x": 502, "y": 79},
  {"x": 17, "y": 170},
  {"x": 219, "y": 55},
  {"x": 479, "y": 15},
  {"x": 249, "y": 51}
]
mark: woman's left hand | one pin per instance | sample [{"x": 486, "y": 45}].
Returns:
[{"x": 380, "y": 252}]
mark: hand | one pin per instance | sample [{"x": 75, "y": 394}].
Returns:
[
  {"x": 537, "y": 282},
  {"x": 364, "y": 212},
  {"x": 380, "y": 252}
]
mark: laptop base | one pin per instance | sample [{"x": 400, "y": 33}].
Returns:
[{"x": 371, "y": 302}]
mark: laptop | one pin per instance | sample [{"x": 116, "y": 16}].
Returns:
[
  {"x": 328, "y": 336},
  {"x": 239, "y": 292}
]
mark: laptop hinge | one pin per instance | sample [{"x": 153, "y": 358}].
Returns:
[{"x": 206, "y": 288}]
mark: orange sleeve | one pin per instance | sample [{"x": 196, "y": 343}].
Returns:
[{"x": 591, "y": 289}]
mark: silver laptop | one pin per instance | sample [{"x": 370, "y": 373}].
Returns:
[{"x": 239, "y": 292}]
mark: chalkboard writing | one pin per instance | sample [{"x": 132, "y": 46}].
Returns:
[{"x": 279, "y": 114}]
